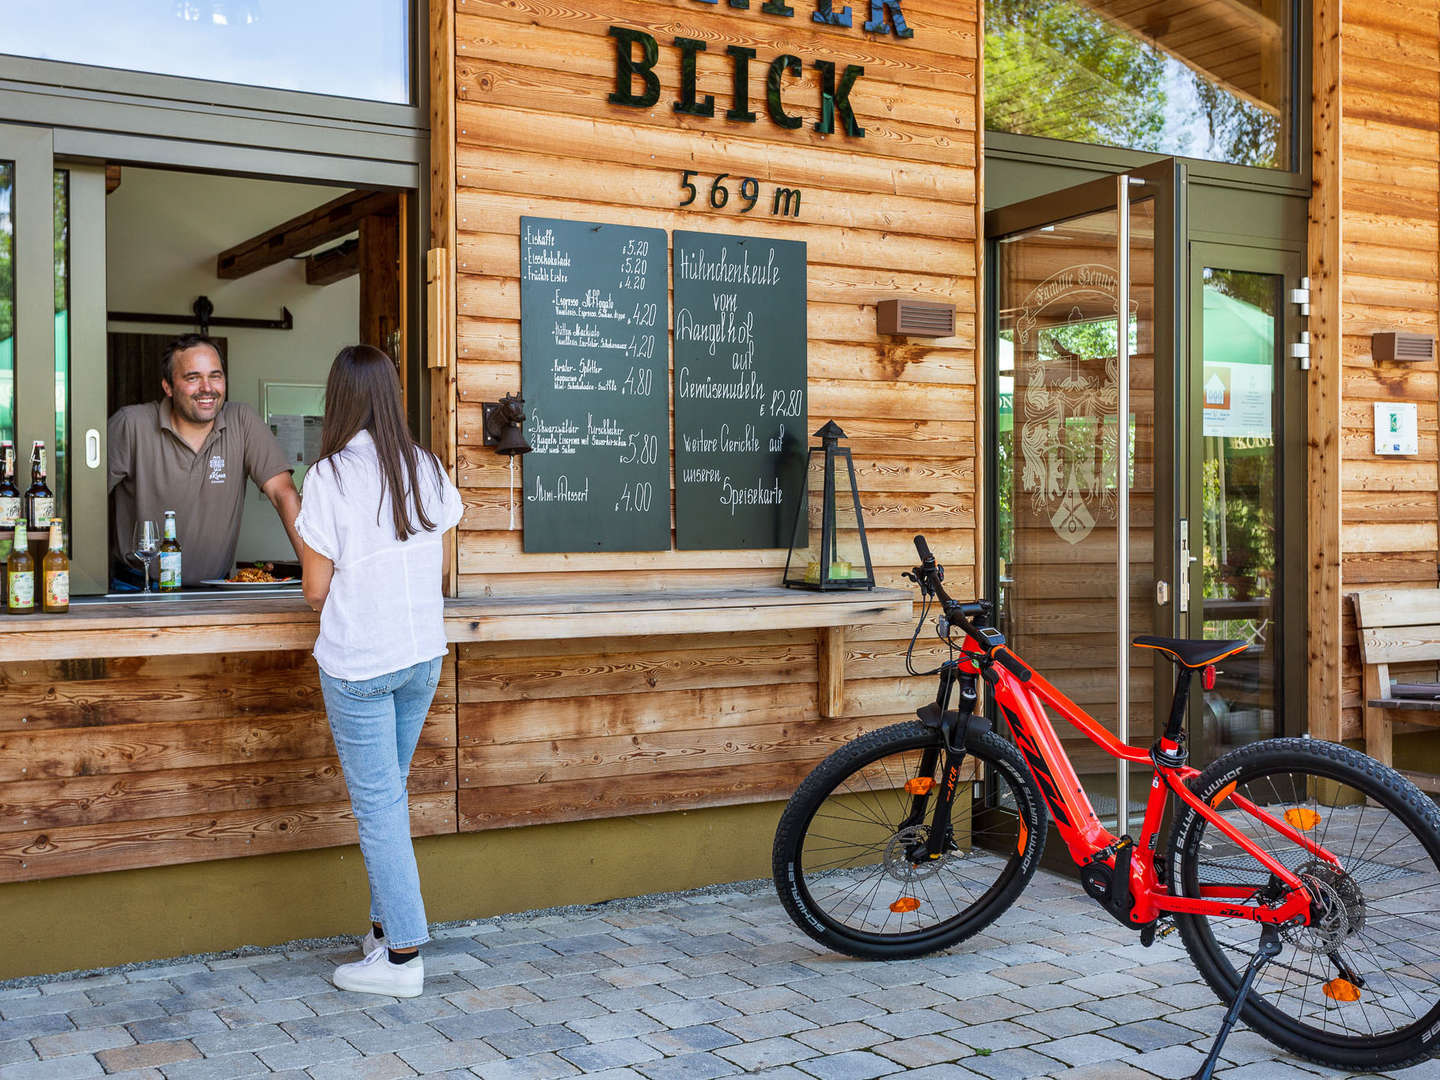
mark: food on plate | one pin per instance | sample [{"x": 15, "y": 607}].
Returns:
[{"x": 258, "y": 574}]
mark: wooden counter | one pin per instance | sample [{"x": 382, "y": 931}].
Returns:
[
  {"x": 167, "y": 730},
  {"x": 187, "y": 625},
  {"x": 169, "y": 625}
]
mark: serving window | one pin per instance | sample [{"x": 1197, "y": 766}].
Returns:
[{"x": 100, "y": 268}]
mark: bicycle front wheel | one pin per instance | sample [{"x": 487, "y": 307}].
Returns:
[
  {"x": 1357, "y": 988},
  {"x": 849, "y": 856}
]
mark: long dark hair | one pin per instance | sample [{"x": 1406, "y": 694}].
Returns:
[{"x": 363, "y": 394}]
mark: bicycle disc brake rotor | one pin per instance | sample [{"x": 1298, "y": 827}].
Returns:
[
  {"x": 898, "y": 864},
  {"x": 1337, "y": 909}
]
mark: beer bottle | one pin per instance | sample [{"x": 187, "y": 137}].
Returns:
[
  {"x": 56, "y": 570},
  {"x": 39, "y": 499},
  {"x": 170, "y": 576},
  {"x": 9, "y": 493},
  {"x": 20, "y": 575},
  {"x": 7, "y": 542}
]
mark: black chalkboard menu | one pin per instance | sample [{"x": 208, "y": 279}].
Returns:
[
  {"x": 594, "y": 360},
  {"x": 740, "y": 390}
]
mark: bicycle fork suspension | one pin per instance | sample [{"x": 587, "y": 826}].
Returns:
[{"x": 955, "y": 726}]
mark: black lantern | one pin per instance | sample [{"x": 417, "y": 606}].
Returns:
[{"x": 828, "y": 549}]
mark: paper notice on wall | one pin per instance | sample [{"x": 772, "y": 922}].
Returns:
[
  {"x": 298, "y": 436},
  {"x": 1397, "y": 427},
  {"x": 289, "y": 432},
  {"x": 1237, "y": 401},
  {"x": 313, "y": 426}
]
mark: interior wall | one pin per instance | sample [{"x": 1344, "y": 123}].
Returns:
[{"x": 163, "y": 232}]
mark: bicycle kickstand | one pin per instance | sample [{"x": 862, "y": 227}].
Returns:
[{"x": 1268, "y": 950}]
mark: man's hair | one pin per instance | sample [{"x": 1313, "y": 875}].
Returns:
[{"x": 179, "y": 345}]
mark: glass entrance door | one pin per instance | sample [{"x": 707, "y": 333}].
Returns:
[
  {"x": 1083, "y": 338},
  {"x": 1239, "y": 411}
]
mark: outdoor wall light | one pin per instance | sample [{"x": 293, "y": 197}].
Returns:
[
  {"x": 1400, "y": 346},
  {"x": 502, "y": 425},
  {"x": 828, "y": 549},
  {"x": 915, "y": 318}
]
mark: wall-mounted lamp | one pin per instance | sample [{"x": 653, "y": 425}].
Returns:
[
  {"x": 502, "y": 425},
  {"x": 915, "y": 318},
  {"x": 1400, "y": 346}
]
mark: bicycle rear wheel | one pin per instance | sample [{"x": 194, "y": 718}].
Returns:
[
  {"x": 845, "y": 851},
  {"x": 1359, "y": 987}
]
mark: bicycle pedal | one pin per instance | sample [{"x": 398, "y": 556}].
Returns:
[{"x": 1154, "y": 930}]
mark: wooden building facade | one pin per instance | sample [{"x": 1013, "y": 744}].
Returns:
[{"x": 619, "y": 722}]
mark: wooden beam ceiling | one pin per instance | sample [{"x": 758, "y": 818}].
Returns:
[
  {"x": 303, "y": 233},
  {"x": 336, "y": 264}
]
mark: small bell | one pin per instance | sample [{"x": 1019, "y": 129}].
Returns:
[
  {"x": 512, "y": 441},
  {"x": 502, "y": 425}
]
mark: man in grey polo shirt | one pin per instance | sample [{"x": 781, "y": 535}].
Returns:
[{"x": 191, "y": 453}]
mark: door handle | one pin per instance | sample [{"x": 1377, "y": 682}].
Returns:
[
  {"x": 1184, "y": 568},
  {"x": 92, "y": 449}
]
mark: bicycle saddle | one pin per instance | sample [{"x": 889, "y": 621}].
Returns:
[{"x": 1190, "y": 652}]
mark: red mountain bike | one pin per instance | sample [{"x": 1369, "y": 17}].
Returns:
[{"x": 1302, "y": 875}]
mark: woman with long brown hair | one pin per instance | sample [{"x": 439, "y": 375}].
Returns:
[{"x": 376, "y": 507}]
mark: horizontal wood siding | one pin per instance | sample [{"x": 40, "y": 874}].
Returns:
[
  {"x": 1389, "y": 217},
  {"x": 146, "y": 761},
  {"x": 610, "y": 727}
]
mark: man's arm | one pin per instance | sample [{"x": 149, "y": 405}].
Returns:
[
  {"x": 118, "y": 448},
  {"x": 316, "y": 572},
  {"x": 280, "y": 490}
]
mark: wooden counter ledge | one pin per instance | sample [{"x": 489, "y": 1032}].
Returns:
[{"x": 167, "y": 626}]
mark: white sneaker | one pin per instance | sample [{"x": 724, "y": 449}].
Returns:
[
  {"x": 377, "y": 975},
  {"x": 371, "y": 942}
]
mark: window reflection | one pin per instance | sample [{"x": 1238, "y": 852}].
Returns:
[
  {"x": 346, "y": 48},
  {"x": 1188, "y": 77},
  {"x": 1240, "y": 317},
  {"x": 61, "y": 238},
  {"x": 7, "y": 300}
]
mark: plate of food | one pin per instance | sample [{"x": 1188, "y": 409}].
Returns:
[{"x": 255, "y": 576}]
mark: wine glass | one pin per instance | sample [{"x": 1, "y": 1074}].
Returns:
[{"x": 145, "y": 546}]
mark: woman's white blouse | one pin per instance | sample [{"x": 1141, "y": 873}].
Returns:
[{"x": 385, "y": 610}]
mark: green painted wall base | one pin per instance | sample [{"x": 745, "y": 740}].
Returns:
[{"x": 99, "y": 920}]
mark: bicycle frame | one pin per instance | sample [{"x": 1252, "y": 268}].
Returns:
[{"x": 1023, "y": 705}]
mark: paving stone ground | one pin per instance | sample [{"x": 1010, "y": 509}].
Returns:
[{"x": 693, "y": 986}]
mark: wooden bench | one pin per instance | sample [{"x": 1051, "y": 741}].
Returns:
[{"x": 1399, "y": 627}]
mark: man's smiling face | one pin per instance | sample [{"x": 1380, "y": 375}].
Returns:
[{"x": 197, "y": 385}]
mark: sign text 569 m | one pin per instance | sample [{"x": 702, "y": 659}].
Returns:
[{"x": 784, "y": 203}]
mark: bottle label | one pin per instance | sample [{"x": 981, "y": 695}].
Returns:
[
  {"x": 9, "y": 508},
  {"x": 22, "y": 590},
  {"x": 169, "y": 527},
  {"x": 170, "y": 570},
  {"x": 57, "y": 588},
  {"x": 41, "y": 511}
]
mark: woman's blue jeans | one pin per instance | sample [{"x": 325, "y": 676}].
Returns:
[{"x": 376, "y": 724}]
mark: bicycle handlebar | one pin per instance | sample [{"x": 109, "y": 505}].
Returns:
[{"x": 930, "y": 577}]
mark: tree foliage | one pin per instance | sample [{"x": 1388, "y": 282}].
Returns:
[{"x": 1057, "y": 68}]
